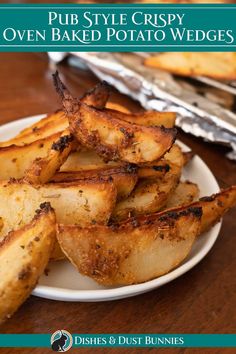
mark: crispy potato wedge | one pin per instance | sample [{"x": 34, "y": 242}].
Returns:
[
  {"x": 16, "y": 159},
  {"x": 185, "y": 193},
  {"x": 188, "y": 156},
  {"x": 154, "y": 170},
  {"x": 24, "y": 254},
  {"x": 131, "y": 253},
  {"x": 175, "y": 156},
  {"x": 149, "y": 195},
  {"x": 213, "y": 208},
  {"x": 87, "y": 160},
  {"x": 123, "y": 177},
  {"x": 81, "y": 202},
  {"x": 51, "y": 124},
  {"x": 57, "y": 122},
  {"x": 117, "y": 107},
  {"x": 215, "y": 65},
  {"x": 97, "y": 97},
  {"x": 44, "y": 168},
  {"x": 112, "y": 138},
  {"x": 147, "y": 118}
]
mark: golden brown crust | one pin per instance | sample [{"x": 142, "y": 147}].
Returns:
[
  {"x": 112, "y": 138},
  {"x": 131, "y": 142},
  {"x": 124, "y": 177},
  {"x": 24, "y": 254},
  {"x": 42, "y": 169},
  {"x": 146, "y": 118},
  {"x": 130, "y": 254}
]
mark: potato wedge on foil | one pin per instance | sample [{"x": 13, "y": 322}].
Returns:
[
  {"x": 24, "y": 255},
  {"x": 219, "y": 66}
]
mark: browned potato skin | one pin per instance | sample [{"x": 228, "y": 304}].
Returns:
[
  {"x": 24, "y": 254},
  {"x": 213, "y": 208},
  {"x": 131, "y": 253},
  {"x": 44, "y": 168},
  {"x": 124, "y": 177},
  {"x": 117, "y": 107},
  {"x": 87, "y": 160},
  {"x": 112, "y": 138},
  {"x": 149, "y": 195},
  {"x": 98, "y": 96},
  {"x": 130, "y": 142},
  {"x": 185, "y": 193},
  {"x": 147, "y": 118},
  {"x": 81, "y": 202},
  {"x": 51, "y": 124},
  {"x": 17, "y": 159},
  {"x": 57, "y": 121}
]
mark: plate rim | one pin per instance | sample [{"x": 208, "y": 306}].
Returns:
[{"x": 97, "y": 295}]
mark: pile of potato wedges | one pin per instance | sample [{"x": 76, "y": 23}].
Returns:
[{"x": 99, "y": 186}]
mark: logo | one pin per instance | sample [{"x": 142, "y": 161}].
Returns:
[{"x": 61, "y": 341}]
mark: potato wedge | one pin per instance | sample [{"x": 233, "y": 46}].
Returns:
[
  {"x": 51, "y": 124},
  {"x": 131, "y": 253},
  {"x": 117, "y": 106},
  {"x": 213, "y": 208},
  {"x": 57, "y": 122},
  {"x": 147, "y": 118},
  {"x": 44, "y": 168},
  {"x": 185, "y": 193},
  {"x": 112, "y": 138},
  {"x": 87, "y": 160},
  {"x": 97, "y": 97},
  {"x": 16, "y": 159},
  {"x": 123, "y": 177},
  {"x": 24, "y": 254},
  {"x": 215, "y": 65},
  {"x": 188, "y": 156},
  {"x": 175, "y": 156},
  {"x": 149, "y": 195},
  {"x": 82, "y": 202}
]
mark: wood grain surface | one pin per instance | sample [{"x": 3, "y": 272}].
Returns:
[{"x": 201, "y": 301}]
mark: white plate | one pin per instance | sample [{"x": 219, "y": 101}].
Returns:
[{"x": 65, "y": 283}]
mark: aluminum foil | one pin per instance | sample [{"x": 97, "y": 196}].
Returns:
[{"x": 158, "y": 90}]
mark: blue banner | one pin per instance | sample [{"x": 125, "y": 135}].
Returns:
[
  {"x": 120, "y": 27},
  {"x": 119, "y": 340}
]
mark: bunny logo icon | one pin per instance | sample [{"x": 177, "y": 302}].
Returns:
[{"x": 61, "y": 341}]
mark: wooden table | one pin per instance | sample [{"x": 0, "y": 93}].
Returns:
[{"x": 201, "y": 301}]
